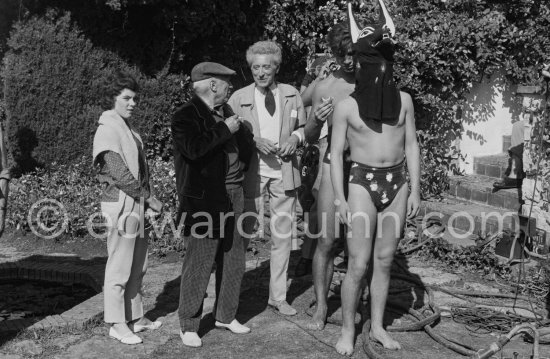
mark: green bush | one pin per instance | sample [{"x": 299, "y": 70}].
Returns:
[{"x": 53, "y": 80}]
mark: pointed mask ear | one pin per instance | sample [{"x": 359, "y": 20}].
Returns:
[
  {"x": 386, "y": 18},
  {"x": 353, "y": 28}
]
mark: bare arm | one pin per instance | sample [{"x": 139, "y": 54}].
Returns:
[
  {"x": 318, "y": 116},
  {"x": 307, "y": 93},
  {"x": 412, "y": 151},
  {"x": 338, "y": 141}
]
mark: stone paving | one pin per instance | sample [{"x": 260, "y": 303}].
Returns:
[
  {"x": 57, "y": 268},
  {"x": 273, "y": 336}
]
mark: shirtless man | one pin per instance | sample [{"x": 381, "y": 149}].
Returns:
[
  {"x": 336, "y": 87},
  {"x": 377, "y": 120}
]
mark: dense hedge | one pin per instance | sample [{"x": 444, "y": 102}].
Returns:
[{"x": 53, "y": 80}]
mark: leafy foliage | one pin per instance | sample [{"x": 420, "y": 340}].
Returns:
[
  {"x": 444, "y": 49},
  {"x": 50, "y": 90},
  {"x": 161, "y": 36},
  {"x": 159, "y": 99},
  {"x": 164, "y": 235},
  {"x": 471, "y": 258},
  {"x": 53, "y": 79},
  {"x": 76, "y": 188}
]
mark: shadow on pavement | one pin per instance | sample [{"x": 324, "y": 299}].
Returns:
[
  {"x": 253, "y": 298},
  {"x": 405, "y": 293}
]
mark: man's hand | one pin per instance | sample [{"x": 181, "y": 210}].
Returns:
[
  {"x": 265, "y": 146},
  {"x": 233, "y": 123},
  {"x": 289, "y": 147},
  {"x": 323, "y": 111},
  {"x": 344, "y": 213},
  {"x": 325, "y": 71},
  {"x": 153, "y": 203},
  {"x": 413, "y": 204}
]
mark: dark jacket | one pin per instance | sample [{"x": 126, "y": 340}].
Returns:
[{"x": 200, "y": 160}]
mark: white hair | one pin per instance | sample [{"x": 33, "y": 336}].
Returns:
[
  {"x": 264, "y": 48},
  {"x": 202, "y": 86}
]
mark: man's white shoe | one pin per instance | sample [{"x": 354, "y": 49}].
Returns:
[
  {"x": 128, "y": 338},
  {"x": 234, "y": 326},
  {"x": 191, "y": 339},
  {"x": 151, "y": 326}
]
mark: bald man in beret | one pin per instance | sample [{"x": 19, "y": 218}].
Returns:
[{"x": 211, "y": 152}]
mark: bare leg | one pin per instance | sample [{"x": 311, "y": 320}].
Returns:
[
  {"x": 513, "y": 167},
  {"x": 323, "y": 264},
  {"x": 360, "y": 246},
  {"x": 390, "y": 226}
]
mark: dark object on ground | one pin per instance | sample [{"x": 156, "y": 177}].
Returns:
[
  {"x": 309, "y": 168},
  {"x": 342, "y": 267},
  {"x": 507, "y": 183},
  {"x": 303, "y": 267}
]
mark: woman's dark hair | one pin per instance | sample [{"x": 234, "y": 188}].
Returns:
[
  {"x": 114, "y": 85},
  {"x": 339, "y": 39}
]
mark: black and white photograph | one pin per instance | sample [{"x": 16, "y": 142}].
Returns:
[{"x": 319, "y": 179}]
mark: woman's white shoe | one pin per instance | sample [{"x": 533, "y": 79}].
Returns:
[{"x": 128, "y": 338}]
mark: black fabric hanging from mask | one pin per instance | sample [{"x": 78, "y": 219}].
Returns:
[{"x": 376, "y": 94}]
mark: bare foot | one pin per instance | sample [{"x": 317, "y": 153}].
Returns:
[
  {"x": 382, "y": 336},
  {"x": 344, "y": 346},
  {"x": 319, "y": 318}
]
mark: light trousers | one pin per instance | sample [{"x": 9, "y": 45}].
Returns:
[
  {"x": 127, "y": 262},
  {"x": 282, "y": 206}
]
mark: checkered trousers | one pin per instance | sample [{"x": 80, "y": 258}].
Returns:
[{"x": 228, "y": 253}]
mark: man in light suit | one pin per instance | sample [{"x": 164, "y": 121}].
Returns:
[{"x": 275, "y": 114}]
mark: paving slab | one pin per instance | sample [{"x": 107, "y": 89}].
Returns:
[{"x": 272, "y": 336}]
